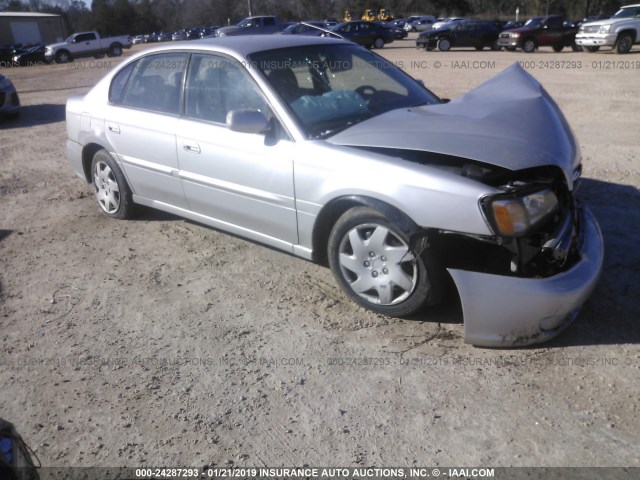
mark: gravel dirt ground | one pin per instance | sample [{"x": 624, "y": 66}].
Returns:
[{"x": 162, "y": 342}]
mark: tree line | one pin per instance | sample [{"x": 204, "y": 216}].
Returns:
[{"x": 116, "y": 17}]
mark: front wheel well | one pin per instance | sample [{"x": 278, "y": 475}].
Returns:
[
  {"x": 632, "y": 33},
  {"x": 331, "y": 212}
]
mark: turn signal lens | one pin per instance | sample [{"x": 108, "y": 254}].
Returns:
[{"x": 514, "y": 216}]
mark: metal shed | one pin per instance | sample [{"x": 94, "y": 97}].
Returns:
[{"x": 28, "y": 28}]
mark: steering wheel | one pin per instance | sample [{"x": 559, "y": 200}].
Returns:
[{"x": 366, "y": 91}]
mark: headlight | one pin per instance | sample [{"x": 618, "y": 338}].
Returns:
[
  {"x": 514, "y": 35},
  {"x": 514, "y": 216},
  {"x": 605, "y": 28}
]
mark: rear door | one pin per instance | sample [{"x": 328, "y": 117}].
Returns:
[{"x": 141, "y": 125}]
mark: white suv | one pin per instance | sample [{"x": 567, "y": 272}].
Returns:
[{"x": 620, "y": 32}]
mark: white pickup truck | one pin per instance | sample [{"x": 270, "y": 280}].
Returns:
[
  {"x": 620, "y": 31},
  {"x": 86, "y": 44}
]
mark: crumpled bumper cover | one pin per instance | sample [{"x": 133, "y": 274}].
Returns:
[{"x": 501, "y": 311}]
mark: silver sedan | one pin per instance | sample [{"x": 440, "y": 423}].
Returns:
[{"x": 323, "y": 149}]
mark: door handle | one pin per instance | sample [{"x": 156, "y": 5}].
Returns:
[
  {"x": 114, "y": 128},
  {"x": 192, "y": 148}
]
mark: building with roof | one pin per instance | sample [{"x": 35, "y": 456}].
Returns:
[{"x": 29, "y": 28}]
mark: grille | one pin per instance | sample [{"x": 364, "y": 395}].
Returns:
[{"x": 590, "y": 28}]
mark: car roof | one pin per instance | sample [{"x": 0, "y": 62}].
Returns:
[{"x": 244, "y": 45}]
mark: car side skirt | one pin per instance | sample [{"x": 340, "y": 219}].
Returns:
[{"x": 245, "y": 233}]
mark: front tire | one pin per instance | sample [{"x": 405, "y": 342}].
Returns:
[
  {"x": 63, "y": 57},
  {"x": 558, "y": 48},
  {"x": 112, "y": 191},
  {"x": 378, "y": 43},
  {"x": 624, "y": 43},
  {"x": 444, "y": 45},
  {"x": 372, "y": 262},
  {"x": 529, "y": 45}
]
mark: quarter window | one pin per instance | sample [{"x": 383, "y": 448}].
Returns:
[
  {"x": 119, "y": 83},
  {"x": 156, "y": 83}
]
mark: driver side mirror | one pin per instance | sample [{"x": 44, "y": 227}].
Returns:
[{"x": 247, "y": 121}]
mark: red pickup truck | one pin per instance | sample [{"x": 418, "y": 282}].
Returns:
[{"x": 537, "y": 32}]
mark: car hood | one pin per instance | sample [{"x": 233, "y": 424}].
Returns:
[
  {"x": 509, "y": 121},
  {"x": 56, "y": 45}
]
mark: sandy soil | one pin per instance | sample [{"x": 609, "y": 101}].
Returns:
[{"x": 162, "y": 342}]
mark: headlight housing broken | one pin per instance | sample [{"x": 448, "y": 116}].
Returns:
[{"x": 515, "y": 215}]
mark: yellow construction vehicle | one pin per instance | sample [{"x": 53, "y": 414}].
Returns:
[
  {"x": 385, "y": 15},
  {"x": 369, "y": 15}
]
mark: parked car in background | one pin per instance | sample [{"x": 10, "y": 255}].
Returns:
[
  {"x": 619, "y": 32},
  {"x": 138, "y": 39},
  {"x": 260, "y": 25},
  {"x": 397, "y": 23},
  {"x": 394, "y": 189},
  {"x": 194, "y": 33},
  {"x": 511, "y": 24},
  {"x": 539, "y": 32},
  {"x": 467, "y": 33},
  {"x": 419, "y": 23},
  {"x": 179, "y": 35},
  {"x": 86, "y": 44},
  {"x": 367, "y": 34},
  {"x": 209, "y": 31},
  {"x": 447, "y": 22},
  {"x": 31, "y": 56},
  {"x": 6, "y": 53},
  {"x": 9, "y": 100},
  {"x": 310, "y": 27},
  {"x": 592, "y": 18},
  {"x": 398, "y": 33}
]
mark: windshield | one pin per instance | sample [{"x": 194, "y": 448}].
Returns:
[
  {"x": 331, "y": 87},
  {"x": 249, "y": 23},
  {"x": 627, "y": 12},
  {"x": 534, "y": 22}
]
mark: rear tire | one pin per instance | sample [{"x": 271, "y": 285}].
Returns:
[
  {"x": 110, "y": 186},
  {"x": 592, "y": 49},
  {"x": 115, "y": 50},
  {"x": 378, "y": 43},
  {"x": 558, "y": 48}
]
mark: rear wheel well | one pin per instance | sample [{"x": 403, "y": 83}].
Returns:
[{"x": 87, "y": 157}]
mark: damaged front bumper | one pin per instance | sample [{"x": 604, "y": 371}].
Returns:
[{"x": 503, "y": 311}]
